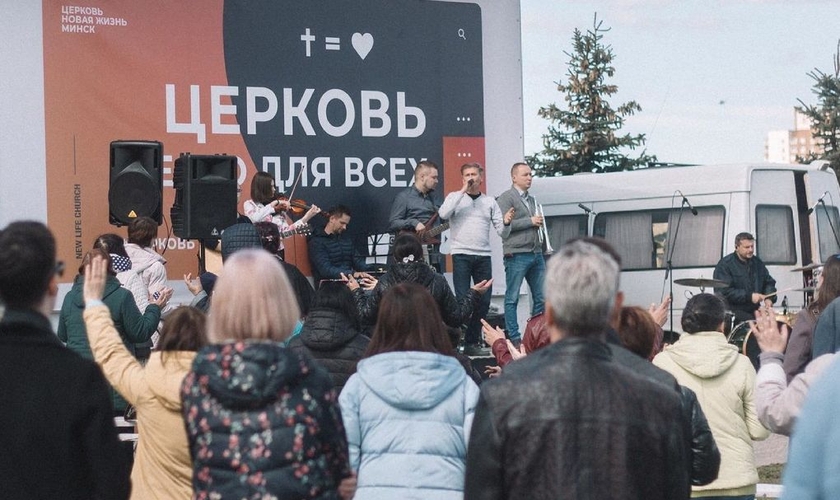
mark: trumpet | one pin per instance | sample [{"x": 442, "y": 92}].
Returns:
[{"x": 542, "y": 231}]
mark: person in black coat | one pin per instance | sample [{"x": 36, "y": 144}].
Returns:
[
  {"x": 569, "y": 418},
  {"x": 704, "y": 463},
  {"x": 270, "y": 241},
  {"x": 56, "y": 431},
  {"x": 750, "y": 284},
  {"x": 409, "y": 267},
  {"x": 331, "y": 334}
]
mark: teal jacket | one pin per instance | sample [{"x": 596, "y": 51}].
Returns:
[{"x": 133, "y": 327}]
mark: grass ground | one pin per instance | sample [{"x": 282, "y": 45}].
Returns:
[{"x": 770, "y": 474}]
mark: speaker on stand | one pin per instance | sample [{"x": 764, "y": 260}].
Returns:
[
  {"x": 205, "y": 197},
  {"x": 135, "y": 181}
]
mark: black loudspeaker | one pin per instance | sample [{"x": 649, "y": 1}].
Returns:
[
  {"x": 136, "y": 181},
  {"x": 205, "y": 195}
]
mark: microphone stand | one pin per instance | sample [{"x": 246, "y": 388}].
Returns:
[{"x": 669, "y": 270}]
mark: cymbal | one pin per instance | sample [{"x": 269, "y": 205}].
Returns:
[
  {"x": 702, "y": 282},
  {"x": 809, "y": 267}
]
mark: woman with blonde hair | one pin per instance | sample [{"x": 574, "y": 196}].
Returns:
[
  {"x": 162, "y": 467},
  {"x": 262, "y": 421}
]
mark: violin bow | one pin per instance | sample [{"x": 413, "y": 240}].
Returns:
[{"x": 295, "y": 185}]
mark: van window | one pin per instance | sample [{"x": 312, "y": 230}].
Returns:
[
  {"x": 828, "y": 239},
  {"x": 562, "y": 228},
  {"x": 774, "y": 237},
  {"x": 641, "y": 238}
]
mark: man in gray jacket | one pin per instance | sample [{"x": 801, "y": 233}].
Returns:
[{"x": 522, "y": 248}]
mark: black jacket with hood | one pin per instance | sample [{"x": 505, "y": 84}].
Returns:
[{"x": 454, "y": 311}]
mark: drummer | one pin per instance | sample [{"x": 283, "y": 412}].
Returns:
[{"x": 750, "y": 284}]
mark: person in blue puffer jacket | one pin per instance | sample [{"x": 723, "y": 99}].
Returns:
[{"x": 409, "y": 408}]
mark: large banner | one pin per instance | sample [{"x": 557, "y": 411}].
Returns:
[{"x": 338, "y": 99}]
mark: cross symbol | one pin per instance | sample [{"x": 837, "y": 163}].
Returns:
[{"x": 308, "y": 38}]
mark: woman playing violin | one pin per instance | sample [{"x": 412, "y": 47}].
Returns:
[{"x": 264, "y": 205}]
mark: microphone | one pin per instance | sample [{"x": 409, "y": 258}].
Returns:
[
  {"x": 470, "y": 182},
  {"x": 587, "y": 209},
  {"x": 686, "y": 202},
  {"x": 814, "y": 206},
  {"x": 784, "y": 305}
]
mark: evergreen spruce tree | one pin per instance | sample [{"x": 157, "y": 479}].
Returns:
[
  {"x": 585, "y": 136},
  {"x": 825, "y": 115}
]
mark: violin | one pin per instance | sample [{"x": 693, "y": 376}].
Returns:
[{"x": 297, "y": 206}]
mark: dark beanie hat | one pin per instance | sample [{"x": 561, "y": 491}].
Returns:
[
  {"x": 208, "y": 281},
  {"x": 239, "y": 237}
]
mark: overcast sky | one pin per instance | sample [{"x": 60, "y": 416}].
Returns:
[{"x": 712, "y": 77}]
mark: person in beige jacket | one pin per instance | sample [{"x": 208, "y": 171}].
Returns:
[
  {"x": 162, "y": 465},
  {"x": 724, "y": 382}
]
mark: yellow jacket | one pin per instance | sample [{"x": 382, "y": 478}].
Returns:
[
  {"x": 724, "y": 382},
  {"x": 162, "y": 465}
]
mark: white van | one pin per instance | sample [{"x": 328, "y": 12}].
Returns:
[{"x": 790, "y": 209}]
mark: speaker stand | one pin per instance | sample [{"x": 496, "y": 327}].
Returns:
[{"x": 202, "y": 257}]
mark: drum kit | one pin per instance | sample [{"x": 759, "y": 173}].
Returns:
[{"x": 740, "y": 335}]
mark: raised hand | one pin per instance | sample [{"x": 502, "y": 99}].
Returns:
[
  {"x": 312, "y": 212},
  {"x": 516, "y": 353},
  {"x": 163, "y": 296},
  {"x": 493, "y": 371},
  {"x": 96, "y": 273},
  {"x": 193, "y": 284},
  {"x": 490, "y": 333},
  {"x": 508, "y": 217},
  {"x": 660, "y": 312},
  {"x": 482, "y": 286},
  {"x": 766, "y": 331}
]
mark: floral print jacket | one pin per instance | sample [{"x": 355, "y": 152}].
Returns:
[{"x": 263, "y": 423}]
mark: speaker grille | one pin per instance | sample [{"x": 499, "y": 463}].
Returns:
[
  {"x": 205, "y": 196},
  {"x": 135, "y": 181}
]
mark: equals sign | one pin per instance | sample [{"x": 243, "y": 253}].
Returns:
[{"x": 332, "y": 43}]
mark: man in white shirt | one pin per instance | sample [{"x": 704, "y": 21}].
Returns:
[{"x": 471, "y": 214}]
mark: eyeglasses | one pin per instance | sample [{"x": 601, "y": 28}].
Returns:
[{"x": 59, "y": 268}]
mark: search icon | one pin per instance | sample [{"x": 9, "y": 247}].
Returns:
[{"x": 461, "y": 33}]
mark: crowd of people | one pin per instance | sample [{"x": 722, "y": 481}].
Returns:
[{"x": 269, "y": 387}]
